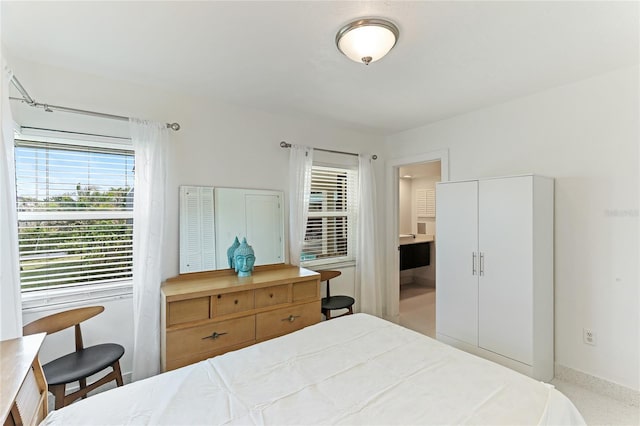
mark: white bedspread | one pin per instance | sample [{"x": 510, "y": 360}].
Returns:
[{"x": 353, "y": 370}]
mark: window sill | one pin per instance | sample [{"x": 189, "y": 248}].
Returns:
[
  {"x": 40, "y": 300},
  {"x": 329, "y": 264}
]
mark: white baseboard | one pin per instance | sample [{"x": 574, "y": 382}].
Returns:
[
  {"x": 406, "y": 280},
  {"x": 415, "y": 280},
  {"x": 424, "y": 282},
  {"x": 598, "y": 385}
]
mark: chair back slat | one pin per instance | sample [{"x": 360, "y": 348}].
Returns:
[
  {"x": 57, "y": 322},
  {"x": 329, "y": 275}
]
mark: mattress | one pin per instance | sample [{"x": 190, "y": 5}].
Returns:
[{"x": 356, "y": 369}]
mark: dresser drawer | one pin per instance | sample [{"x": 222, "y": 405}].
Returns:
[
  {"x": 270, "y": 296},
  {"x": 305, "y": 290},
  {"x": 188, "y": 310},
  {"x": 230, "y": 303},
  {"x": 210, "y": 337},
  {"x": 174, "y": 363},
  {"x": 285, "y": 320}
]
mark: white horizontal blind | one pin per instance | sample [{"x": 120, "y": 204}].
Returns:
[
  {"x": 331, "y": 227},
  {"x": 75, "y": 214}
]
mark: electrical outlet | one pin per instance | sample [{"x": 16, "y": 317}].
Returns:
[{"x": 589, "y": 336}]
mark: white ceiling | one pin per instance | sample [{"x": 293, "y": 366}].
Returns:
[
  {"x": 452, "y": 57},
  {"x": 415, "y": 171}
]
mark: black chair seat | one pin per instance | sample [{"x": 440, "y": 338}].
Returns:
[
  {"x": 79, "y": 365},
  {"x": 337, "y": 302}
]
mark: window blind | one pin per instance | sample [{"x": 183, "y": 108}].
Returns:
[
  {"x": 331, "y": 222},
  {"x": 75, "y": 214}
]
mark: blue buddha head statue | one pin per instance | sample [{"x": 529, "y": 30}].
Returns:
[
  {"x": 244, "y": 259},
  {"x": 232, "y": 250}
]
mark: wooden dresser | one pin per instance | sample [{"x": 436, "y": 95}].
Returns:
[
  {"x": 210, "y": 313},
  {"x": 23, "y": 387}
]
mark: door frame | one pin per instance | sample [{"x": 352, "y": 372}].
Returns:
[{"x": 393, "y": 239}]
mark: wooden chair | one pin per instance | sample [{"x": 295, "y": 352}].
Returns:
[
  {"x": 78, "y": 365},
  {"x": 332, "y": 303}
]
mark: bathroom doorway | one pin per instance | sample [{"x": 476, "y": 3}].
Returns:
[
  {"x": 418, "y": 279},
  {"x": 416, "y": 233}
]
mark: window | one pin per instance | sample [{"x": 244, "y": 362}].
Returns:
[
  {"x": 330, "y": 231},
  {"x": 75, "y": 214}
]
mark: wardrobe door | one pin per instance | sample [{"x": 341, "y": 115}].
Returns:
[
  {"x": 456, "y": 261},
  {"x": 505, "y": 289}
]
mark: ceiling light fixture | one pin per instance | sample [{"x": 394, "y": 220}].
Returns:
[{"x": 367, "y": 40}]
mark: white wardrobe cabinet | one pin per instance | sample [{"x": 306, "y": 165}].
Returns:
[{"x": 494, "y": 270}]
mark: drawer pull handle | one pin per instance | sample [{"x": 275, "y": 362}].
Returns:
[
  {"x": 214, "y": 335},
  {"x": 291, "y": 318},
  {"x": 271, "y": 295},
  {"x": 235, "y": 302}
]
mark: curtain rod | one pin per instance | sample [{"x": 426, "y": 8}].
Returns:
[
  {"x": 73, "y": 133},
  {"x": 284, "y": 144},
  {"x": 50, "y": 108}
]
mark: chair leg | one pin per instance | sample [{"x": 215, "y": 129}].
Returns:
[
  {"x": 327, "y": 313},
  {"x": 83, "y": 384},
  {"x": 58, "y": 393},
  {"x": 116, "y": 370}
]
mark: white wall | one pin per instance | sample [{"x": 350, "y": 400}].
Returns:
[
  {"x": 585, "y": 135},
  {"x": 219, "y": 145},
  {"x": 405, "y": 199}
]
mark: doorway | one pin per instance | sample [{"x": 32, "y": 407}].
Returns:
[
  {"x": 416, "y": 232},
  {"x": 411, "y": 231}
]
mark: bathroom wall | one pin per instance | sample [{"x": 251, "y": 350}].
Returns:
[
  {"x": 405, "y": 206},
  {"x": 426, "y": 182}
]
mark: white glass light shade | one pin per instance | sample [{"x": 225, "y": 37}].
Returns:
[{"x": 367, "y": 40}]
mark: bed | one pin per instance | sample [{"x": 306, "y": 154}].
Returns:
[{"x": 357, "y": 369}]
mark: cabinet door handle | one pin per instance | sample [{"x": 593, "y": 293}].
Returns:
[
  {"x": 481, "y": 264},
  {"x": 214, "y": 335},
  {"x": 473, "y": 263},
  {"x": 290, "y": 318}
]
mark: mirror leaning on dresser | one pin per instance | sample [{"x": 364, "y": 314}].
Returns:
[{"x": 211, "y": 218}]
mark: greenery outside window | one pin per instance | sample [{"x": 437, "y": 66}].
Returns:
[
  {"x": 75, "y": 214},
  {"x": 330, "y": 231}
]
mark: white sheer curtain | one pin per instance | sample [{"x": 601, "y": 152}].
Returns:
[
  {"x": 10, "y": 299},
  {"x": 300, "y": 162},
  {"x": 369, "y": 289},
  {"x": 151, "y": 145}
]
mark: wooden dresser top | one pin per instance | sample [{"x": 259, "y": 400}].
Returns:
[
  {"x": 16, "y": 358},
  {"x": 227, "y": 280}
]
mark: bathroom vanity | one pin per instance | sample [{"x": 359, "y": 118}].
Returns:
[{"x": 415, "y": 250}]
